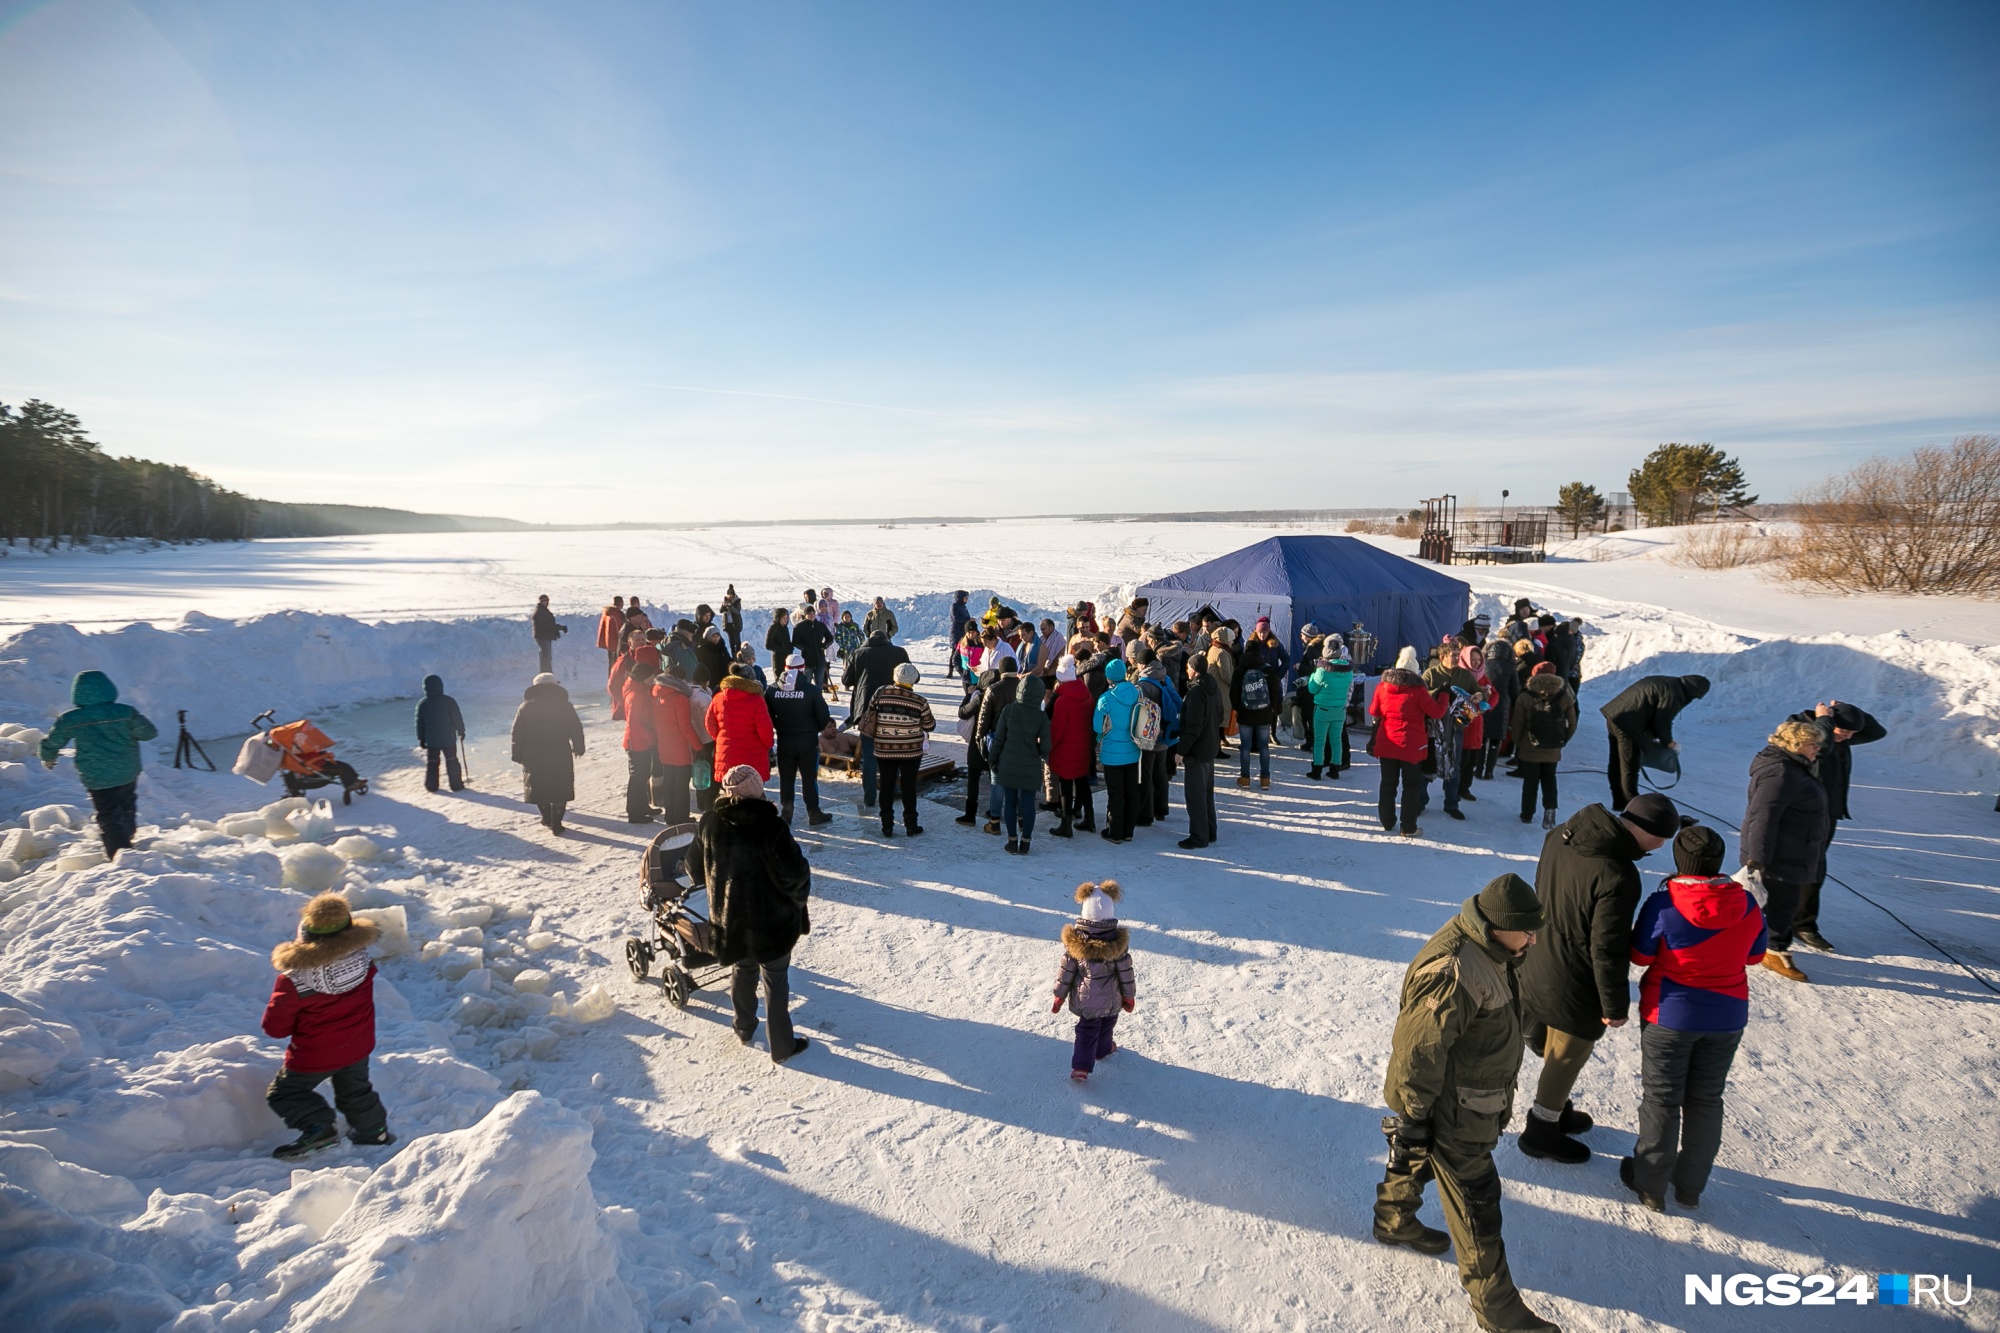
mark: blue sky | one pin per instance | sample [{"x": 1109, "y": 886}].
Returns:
[{"x": 610, "y": 262}]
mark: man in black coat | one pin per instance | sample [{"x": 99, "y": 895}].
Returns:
[
  {"x": 1574, "y": 984},
  {"x": 1786, "y": 827},
  {"x": 547, "y": 737},
  {"x": 961, "y": 616},
  {"x": 547, "y": 630},
  {"x": 798, "y": 712},
  {"x": 1844, "y": 724},
  {"x": 868, "y": 671},
  {"x": 1203, "y": 711},
  {"x": 810, "y": 639},
  {"x": 758, "y": 883},
  {"x": 999, "y": 685},
  {"x": 778, "y": 638},
  {"x": 440, "y": 727},
  {"x": 1643, "y": 714},
  {"x": 711, "y": 657}
]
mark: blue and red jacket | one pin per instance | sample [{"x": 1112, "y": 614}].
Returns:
[{"x": 1695, "y": 938}]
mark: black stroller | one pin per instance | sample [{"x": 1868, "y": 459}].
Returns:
[{"x": 679, "y": 931}]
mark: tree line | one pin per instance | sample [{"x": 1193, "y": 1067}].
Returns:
[{"x": 57, "y": 483}]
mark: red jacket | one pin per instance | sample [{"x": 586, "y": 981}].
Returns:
[
  {"x": 638, "y": 709},
  {"x": 1401, "y": 704},
  {"x": 610, "y": 624},
  {"x": 1070, "y": 732},
  {"x": 328, "y": 1032},
  {"x": 671, "y": 726},
  {"x": 741, "y": 723},
  {"x": 614, "y": 685}
]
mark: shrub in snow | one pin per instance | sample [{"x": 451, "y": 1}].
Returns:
[
  {"x": 312, "y": 867},
  {"x": 354, "y": 847}
]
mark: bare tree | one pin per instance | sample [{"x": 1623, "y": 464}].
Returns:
[{"x": 1926, "y": 523}]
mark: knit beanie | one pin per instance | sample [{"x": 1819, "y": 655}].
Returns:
[
  {"x": 907, "y": 675},
  {"x": 1656, "y": 814},
  {"x": 1100, "y": 901},
  {"x": 1114, "y": 670},
  {"x": 1066, "y": 669},
  {"x": 1509, "y": 903},
  {"x": 545, "y": 678},
  {"x": 1699, "y": 851},
  {"x": 1542, "y": 669},
  {"x": 796, "y": 659},
  {"x": 1407, "y": 659},
  {"x": 742, "y": 781}
]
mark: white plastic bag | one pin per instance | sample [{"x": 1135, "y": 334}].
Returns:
[
  {"x": 258, "y": 760},
  {"x": 313, "y": 823}
]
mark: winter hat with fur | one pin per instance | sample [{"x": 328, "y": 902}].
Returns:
[
  {"x": 742, "y": 782},
  {"x": 327, "y": 930},
  {"x": 1100, "y": 901},
  {"x": 907, "y": 675},
  {"x": 1524, "y": 649}
]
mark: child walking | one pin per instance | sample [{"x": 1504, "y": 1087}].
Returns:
[
  {"x": 1096, "y": 976},
  {"x": 324, "y": 1000}
]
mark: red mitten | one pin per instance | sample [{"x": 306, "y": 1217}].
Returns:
[
  {"x": 1056, "y": 1008},
  {"x": 1128, "y": 1003}
]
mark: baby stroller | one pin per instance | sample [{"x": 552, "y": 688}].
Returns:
[
  {"x": 308, "y": 762},
  {"x": 680, "y": 932}
]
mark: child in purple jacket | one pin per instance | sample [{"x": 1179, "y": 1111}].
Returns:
[{"x": 1096, "y": 976}]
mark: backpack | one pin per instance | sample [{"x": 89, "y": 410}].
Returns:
[
  {"x": 1146, "y": 723},
  {"x": 1256, "y": 690},
  {"x": 698, "y": 702},
  {"x": 1170, "y": 711},
  {"x": 1545, "y": 726}
]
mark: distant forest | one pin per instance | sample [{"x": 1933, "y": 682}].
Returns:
[{"x": 58, "y": 485}]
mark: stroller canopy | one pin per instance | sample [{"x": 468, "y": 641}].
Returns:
[
  {"x": 302, "y": 743},
  {"x": 1330, "y": 582}
]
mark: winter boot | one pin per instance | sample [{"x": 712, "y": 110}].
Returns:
[
  {"x": 1527, "y": 819},
  {"x": 818, "y": 817},
  {"x": 307, "y": 1143},
  {"x": 1013, "y": 846},
  {"x": 802, "y": 1043},
  {"x": 1190, "y": 845},
  {"x": 1812, "y": 939},
  {"x": 1653, "y": 1201},
  {"x": 1314, "y": 775},
  {"x": 1024, "y": 846},
  {"x": 993, "y": 827},
  {"x": 1780, "y": 961},
  {"x": 1549, "y": 818},
  {"x": 1574, "y": 1121},
  {"x": 967, "y": 820},
  {"x": 1545, "y": 1139},
  {"x": 381, "y": 1138},
  {"x": 1465, "y": 794},
  {"x": 912, "y": 830},
  {"x": 1263, "y": 784},
  {"x": 1062, "y": 830},
  {"x": 785, "y": 813},
  {"x": 1244, "y": 782},
  {"x": 888, "y": 829},
  {"x": 1422, "y": 1239}
]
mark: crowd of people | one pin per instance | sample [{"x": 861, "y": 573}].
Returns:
[{"x": 1127, "y": 707}]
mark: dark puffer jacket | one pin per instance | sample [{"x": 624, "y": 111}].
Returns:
[
  {"x": 1547, "y": 697},
  {"x": 756, "y": 876},
  {"x": 1577, "y": 975},
  {"x": 872, "y": 668},
  {"x": 548, "y": 736},
  {"x": 1646, "y": 709},
  {"x": 1021, "y": 739},
  {"x": 439, "y": 723},
  {"x": 1785, "y": 820}
]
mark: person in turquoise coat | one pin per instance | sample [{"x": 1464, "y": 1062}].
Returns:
[
  {"x": 1117, "y": 753},
  {"x": 1331, "y": 682},
  {"x": 107, "y": 736}
]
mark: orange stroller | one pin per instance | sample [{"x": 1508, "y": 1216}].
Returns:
[{"x": 309, "y": 762}]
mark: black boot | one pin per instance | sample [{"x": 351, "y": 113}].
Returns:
[
  {"x": 1062, "y": 830},
  {"x": 307, "y": 1143},
  {"x": 1574, "y": 1121},
  {"x": 1545, "y": 1139},
  {"x": 1656, "y": 1202}
]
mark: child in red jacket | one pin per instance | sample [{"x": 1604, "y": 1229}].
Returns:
[{"x": 324, "y": 1000}]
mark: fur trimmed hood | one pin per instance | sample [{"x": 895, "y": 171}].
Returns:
[
  {"x": 327, "y": 934},
  {"x": 744, "y": 683},
  {"x": 1088, "y": 945}
]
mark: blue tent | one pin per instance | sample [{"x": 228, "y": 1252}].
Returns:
[{"x": 1330, "y": 582}]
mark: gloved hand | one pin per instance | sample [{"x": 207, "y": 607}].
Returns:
[
  {"x": 1128, "y": 1004},
  {"x": 1751, "y": 877},
  {"x": 1056, "y": 1008},
  {"x": 1409, "y": 1140}
]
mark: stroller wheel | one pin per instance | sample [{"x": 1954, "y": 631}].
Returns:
[
  {"x": 678, "y": 986},
  {"x": 639, "y": 958}
]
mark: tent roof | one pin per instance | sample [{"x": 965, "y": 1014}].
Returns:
[{"x": 1309, "y": 569}]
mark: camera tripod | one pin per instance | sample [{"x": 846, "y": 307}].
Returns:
[{"x": 187, "y": 750}]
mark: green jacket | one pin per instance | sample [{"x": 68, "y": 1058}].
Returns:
[
  {"x": 107, "y": 733},
  {"x": 1457, "y": 1048}
]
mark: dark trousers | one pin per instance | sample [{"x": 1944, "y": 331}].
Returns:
[
  {"x": 1535, "y": 774},
  {"x": 117, "y": 814},
  {"x": 777, "y": 1001},
  {"x": 1156, "y": 768},
  {"x": 800, "y": 762},
  {"x": 548, "y": 647},
  {"x": 898, "y": 775},
  {"x": 1121, "y": 799},
  {"x": 1077, "y": 809},
  {"x": 432, "y": 754},
  {"x": 1198, "y": 788},
  {"x": 610, "y": 659},
  {"x": 1411, "y": 775},
  {"x": 552, "y": 812},
  {"x": 639, "y": 783},
  {"x": 1093, "y": 1042},
  {"x": 1623, "y": 769},
  {"x": 1680, "y": 1109},
  {"x": 975, "y": 768},
  {"x": 870, "y": 777},
  {"x": 1453, "y": 760},
  {"x": 294, "y": 1097},
  {"x": 1807, "y": 916},
  {"x": 1781, "y": 912},
  {"x": 1469, "y": 1188},
  {"x": 1017, "y": 805},
  {"x": 675, "y": 796}
]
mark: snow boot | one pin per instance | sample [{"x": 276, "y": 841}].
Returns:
[
  {"x": 888, "y": 830},
  {"x": 381, "y": 1138},
  {"x": 1024, "y": 846},
  {"x": 1549, "y": 818},
  {"x": 967, "y": 820},
  {"x": 1422, "y": 1239},
  {"x": 1780, "y": 961},
  {"x": 785, "y": 813},
  {"x": 1190, "y": 845},
  {"x": 803, "y": 1042},
  {"x": 1574, "y": 1121},
  {"x": 993, "y": 827},
  {"x": 1244, "y": 782},
  {"x": 913, "y": 830},
  {"x": 307, "y": 1143},
  {"x": 1812, "y": 939},
  {"x": 1063, "y": 830},
  {"x": 1263, "y": 784},
  {"x": 1456, "y": 814},
  {"x": 1466, "y": 796},
  {"x": 1527, "y": 819},
  {"x": 1545, "y": 1139},
  {"x": 818, "y": 817},
  {"x": 1653, "y": 1201},
  {"x": 1013, "y": 847},
  {"x": 1314, "y": 775}
]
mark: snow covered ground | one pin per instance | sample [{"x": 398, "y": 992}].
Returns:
[{"x": 927, "y": 1164}]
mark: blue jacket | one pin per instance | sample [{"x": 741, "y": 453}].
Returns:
[{"x": 1113, "y": 718}]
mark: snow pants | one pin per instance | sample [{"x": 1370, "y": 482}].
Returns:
[
  {"x": 1198, "y": 787},
  {"x": 1623, "y": 768},
  {"x": 294, "y": 1097},
  {"x": 1121, "y": 799},
  {"x": 1469, "y": 1188},
  {"x": 776, "y": 976},
  {"x": 1329, "y": 740},
  {"x": 800, "y": 763},
  {"x": 432, "y": 754},
  {"x": 117, "y": 814},
  {"x": 1411, "y": 776},
  {"x": 1093, "y": 1042},
  {"x": 1680, "y": 1107}
]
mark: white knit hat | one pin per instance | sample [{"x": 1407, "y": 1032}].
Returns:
[
  {"x": 907, "y": 674},
  {"x": 1066, "y": 669},
  {"x": 797, "y": 659},
  {"x": 546, "y": 678},
  {"x": 1097, "y": 907},
  {"x": 1407, "y": 659}
]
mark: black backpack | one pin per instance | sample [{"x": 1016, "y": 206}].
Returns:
[{"x": 1545, "y": 724}]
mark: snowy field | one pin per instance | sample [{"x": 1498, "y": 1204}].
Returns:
[{"x": 576, "y": 1152}]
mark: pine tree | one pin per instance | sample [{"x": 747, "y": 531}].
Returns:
[
  {"x": 1680, "y": 482},
  {"x": 1580, "y": 506}
]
